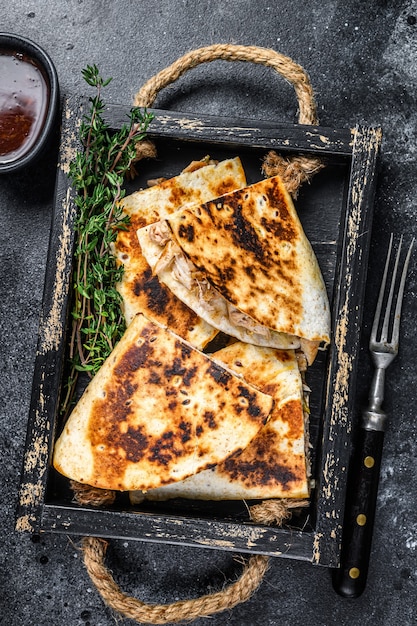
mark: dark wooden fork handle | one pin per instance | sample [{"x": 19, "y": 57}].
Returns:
[{"x": 350, "y": 580}]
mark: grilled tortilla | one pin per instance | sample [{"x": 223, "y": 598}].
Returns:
[
  {"x": 141, "y": 291},
  {"x": 244, "y": 264},
  {"x": 157, "y": 411},
  {"x": 275, "y": 464}
]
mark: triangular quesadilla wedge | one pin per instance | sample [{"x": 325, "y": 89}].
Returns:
[
  {"x": 275, "y": 464},
  {"x": 141, "y": 291},
  {"x": 156, "y": 412},
  {"x": 244, "y": 264}
]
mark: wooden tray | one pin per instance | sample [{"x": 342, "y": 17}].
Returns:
[{"x": 336, "y": 213}]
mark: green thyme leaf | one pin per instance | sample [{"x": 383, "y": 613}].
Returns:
[{"x": 97, "y": 174}]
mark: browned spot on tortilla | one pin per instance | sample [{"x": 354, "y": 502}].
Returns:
[
  {"x": 179, "y": 196},
  {"x": 186, "y": 232},
  {"x": 292, "y": 414},
  {"x": 161, "y": 303},
  {"x": 252, "y": 251},
  {"x": 155, "y": 370},
  {"x": 255, "y": 466}
]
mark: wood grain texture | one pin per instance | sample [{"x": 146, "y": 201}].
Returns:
[{"x": 52, "y": 328}]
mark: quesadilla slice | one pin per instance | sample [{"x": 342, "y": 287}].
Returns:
[
  {"x": 275, "y": 464},
  {"x": 156, "y": 412},
  {"x": 244, "y": 264},
  {"x": 141, "y": 291}
]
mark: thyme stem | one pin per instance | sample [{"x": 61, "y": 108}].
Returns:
[{"x": 97, "y": 174}]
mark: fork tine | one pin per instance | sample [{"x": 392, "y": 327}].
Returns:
[
  {"x": 383, "y": 338},
  {"x": 378, "y": 309},
  {"x": 397, "y": 316},
  {"x": 388, "y": 307}
]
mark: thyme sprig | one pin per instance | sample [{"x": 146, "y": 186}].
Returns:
[{"x": 97, "y": 174}]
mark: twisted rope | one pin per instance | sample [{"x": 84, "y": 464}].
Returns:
[
  {"x": 294, "y": 171},
  {"x": 94, "y": 550},
  {"x": 286, "y": 67},
  {"x": 254, "y": 569}
]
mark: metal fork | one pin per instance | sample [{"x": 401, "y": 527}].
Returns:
[{"x": 350, "y": 580}]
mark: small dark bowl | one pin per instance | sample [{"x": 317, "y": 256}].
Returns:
[{"x": 15, "y": 44}]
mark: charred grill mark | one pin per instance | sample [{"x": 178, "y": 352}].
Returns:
[
  {"x": 210, "y": 419},
  {"x": 284, "y": 355},
  {"x": 249, "y": 270},
  {"x": 256, "y": 466},
  {"x": 154, "y": 378},
  {"x": 121, "y": 447},
  {"x": 155, "y": 363},
  {"x": 180, "y": 196},
  {"x": 170, "y": 445},
  {"x": 136, "y": 222},
  {"x": 186, "y": 431},
  {"x": 165, "y": 448},
  {"x": 157, "y": 296},
  {"x": 244, "y": 234},
  {"x": 254, "y": 410},
  {"x": 210, "y": 207},
  {"x": 257, "y": 472},
  {"x": 185, "y": 350},
  {"x": 220, "y": 375},
  {"x": 134, "y": 442},
  {"x": 226, "y": 274},
  {"x": 252, "y": 407},
  {"x": 172, "y": 405},
  {"x": 160, "y": 454},
  {"x": 110, "y": 419},
  {"x": 186, "y": 231},
  {"x": 133, "y": 359},
  {"x": 161, "y": 303},
  {"x": 129, "y": 390},
  {"x": 220, "y": 277},
  {"x": 175, "y": 369},
  {"x": 224, "y": 186},
  {"x": 281, "y": 226},
  {"x": 287, "y": 271}
]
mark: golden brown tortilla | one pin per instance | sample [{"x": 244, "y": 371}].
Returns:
[
  {"x": 157, "y": 411},
  {"x": 275, "y": 463},
  {"x": 141, "y": 291},
  {"x": 244, "y": 264}
]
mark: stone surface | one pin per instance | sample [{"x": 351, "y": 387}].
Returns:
[{"x": 362, "y": 60}]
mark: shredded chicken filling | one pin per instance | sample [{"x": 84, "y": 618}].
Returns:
[{"x": 185, "y": 272}]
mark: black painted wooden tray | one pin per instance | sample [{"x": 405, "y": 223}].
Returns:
[{"x": 336, "y": 212}]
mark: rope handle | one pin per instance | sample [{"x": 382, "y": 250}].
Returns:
[
  {"x": 94, "y": 550},
  {"x": 293, "y": 170},
  {"x": 286, "y": 67}
]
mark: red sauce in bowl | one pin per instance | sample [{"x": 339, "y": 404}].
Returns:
[{"x": 24, "y": 96}]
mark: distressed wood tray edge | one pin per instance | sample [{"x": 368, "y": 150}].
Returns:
[{"x": 361, "y": 147}]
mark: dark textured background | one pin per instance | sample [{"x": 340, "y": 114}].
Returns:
[{"x": 362, "y": 61}]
